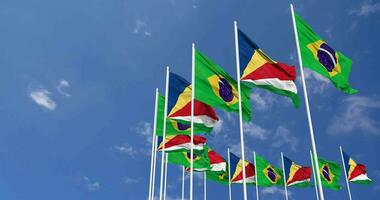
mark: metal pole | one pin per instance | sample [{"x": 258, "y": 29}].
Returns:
[
  {"x": 240, "y": 110},
  {"x": 257, "y": 182},
  {"x": 204, "y": 186},
  {"x": 313, "y": 145},
  {"x": 283, "y": 169},
  {"x": 164, "y": 131},
  {"x": 153, "y": 143},
  {"x": 166, "y": 175},
  {"x": 229, "y": 175},
  {"x": 314, "y": 175},
  {"x": 345, "y": 172},
  {"x": 192, "y": 118},
  {"x": 183, "y": 182},
  {"x": 154, "y": 167}
]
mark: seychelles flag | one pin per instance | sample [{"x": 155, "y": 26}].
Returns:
[
  {"x": 181, "y": 143},
  {"x": 296, "y": 175},
  {"x": 259, "y": 70},
  {"x": 356, "y": 173},
  {"x": 237, "y": 170},
  {"x": 320, "y": 57},
  {"x": 179, "y": 104}
]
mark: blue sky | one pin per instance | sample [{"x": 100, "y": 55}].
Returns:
[{"x": 78, "y": 80}]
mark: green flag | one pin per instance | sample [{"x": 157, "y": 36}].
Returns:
[
  {"x": 217, "y": 88},
  {"x": 201, "y": 162},
  {"x": 218, "y": 176},
  {"x": 322, "y": 58},
  {"x": 174, "y": 127},
  {"x": 330, "y": 174},
  {"x": 268, "y": 175}
]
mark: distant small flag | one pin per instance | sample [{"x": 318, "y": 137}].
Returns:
[
  {"x": 237, "y": 170},
  {"x": 217, "y": 88},
  {"x": 179, "y": 105},
  {"x": 217, "y": 162},
  {"x": 296, "y": 175},
  {"x": 181, "y": 143},
  {"x": 356, "y": 173},
  {"x": 260, "y": 70},
  {"x": 200, "y": 159},
  {"x": 267, "y": 174},
  {"x": 330, "y": 174},
  {"x": 320, "y": 57}
]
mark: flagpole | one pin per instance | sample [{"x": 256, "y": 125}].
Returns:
[
  {"x": 345, "y": 172},
  {"x": 314, "y": 174},
  {"x": 153, "y": 143},
  {"x": 192, "y": 118},
  {"x": 229, "y": 175},
  {"x": 164, "y": 132},
  {"x": 313, "y": 145},
  {"x": 166, "y": 174},
  {"x": 240, "y": 110},
  {"x": 204, "y": 186},
  {"x": 154, "y": 167},
  {"x": 256, "y": 179},
  {"x": 283, "y": 169},
  {"x": 183, "y": 182}
]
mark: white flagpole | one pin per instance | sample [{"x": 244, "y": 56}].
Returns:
[
  {"x": 256, "y": 179},
  {"x": 183, "y": 182},
  {"x": 313, "y": 145},
  {"x": 229, "y": 175},
  {"x": 154, "y": 166},
  {"x": 166, "y": 175},
  {"x": 345, "y": 172},
  {"x": 192, "y": 118},
  {"x": 153, "y": 143},
  {"x": 164, "y": 132},
  {"x": 204, "y": 186},
  {"x": 314, "y": 175},
  {"x": 240, "y": 109},
  {"x": 283, "y": 169}
]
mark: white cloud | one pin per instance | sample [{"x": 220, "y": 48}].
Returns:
[
  {"x": 141, "y": 27},
  {"x": 329, "y": 32},
  {"x": 255, "y": 131},
  {"x": 365, "y": 9},
  {"x": 261, "y": 101},
  {"x": 60, "y": 87},
  {"x": 130, "y": 180},
  {"x": 316, "y": 83},
  {"x": 145, "y": 129},
  {"x": 356, "y": 115},
  {"x": 218, "y": 127},
  {"x": 282, "y": 137},
  {"x": 126, "y": 149},
  {"x": 91, "y": 185},
  {"x": 41, "y": 97},
  {"x": 274, "y": 190}
]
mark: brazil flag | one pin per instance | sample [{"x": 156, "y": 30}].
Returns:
[
  {"x": 219, "y": 177},
  {"x": 217, "y": 88},
  {"x": 268, "y": 175},
  {"x": 322, "y": 58},
  {"x": 201, "y": 162},
  {"x": 174, "y": 127},
  {"x": 330, "y": 174}
]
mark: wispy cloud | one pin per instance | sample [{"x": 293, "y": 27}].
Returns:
[
  {"x": 61, "y": 86},
  {"x": 145, "y": 129},
  {"x": 41, "y": 97},
  {"x": 255, "y": 131},
  {"x": 356, "y": 115},
  {"x": 130, "y": 180},
  {"x": 91, "y": 185},
  {"x": 126, "y": 149},
  {"x": 140, "y": 27},
  {"x": 274, "y": 190},
  {"x": 218, "y": 127},
  {"x": 329, "y": 32},
  {"x": 316, "y": 83},
  {"x": 283, "y": 136},
  {"x": 262, "y": 101},
  {"x": 365, "y": 9}
]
